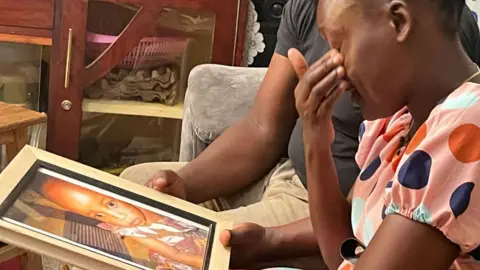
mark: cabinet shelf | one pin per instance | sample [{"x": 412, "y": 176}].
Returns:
[
  {"x": 43, "y": 41},
  {"x": 128, "y": 107}
]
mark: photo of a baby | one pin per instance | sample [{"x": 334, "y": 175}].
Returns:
[{"x": 105, "y": 222}]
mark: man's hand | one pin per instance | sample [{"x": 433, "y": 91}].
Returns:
[
  {"x": 168, "y": 182},
  {"x": 318, "y": 89},
  {"x": 249, "y": 243}
]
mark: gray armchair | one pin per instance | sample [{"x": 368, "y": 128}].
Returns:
[{"x": 217, "y": 97}]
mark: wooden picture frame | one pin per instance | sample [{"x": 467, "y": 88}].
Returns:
[{"x": 41, "y": 190}]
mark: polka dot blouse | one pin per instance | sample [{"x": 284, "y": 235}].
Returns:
[{"x": 433, "y": 179}]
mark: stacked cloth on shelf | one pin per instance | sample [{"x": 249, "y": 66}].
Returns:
[{"x": 159, "y": 84}]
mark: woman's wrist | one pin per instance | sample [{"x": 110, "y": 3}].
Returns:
[{"x": 316, "y": 151}]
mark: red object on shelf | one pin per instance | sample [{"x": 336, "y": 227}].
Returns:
[
  {"x": 150, "y": 52},
  {"x": 13, "y": 264}
]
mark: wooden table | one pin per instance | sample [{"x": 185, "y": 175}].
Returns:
[{"x": 14, "y": 123}]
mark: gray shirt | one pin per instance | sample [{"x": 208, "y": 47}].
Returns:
[{"x": 298, "y": 29}]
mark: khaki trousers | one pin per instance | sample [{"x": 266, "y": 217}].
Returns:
[{"x": 277, "y": 199}]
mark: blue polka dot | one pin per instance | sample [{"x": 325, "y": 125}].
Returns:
[
  {"x": 475, "y": 253},
  {"x": 475, "y": 15},
  {"x": 361, "y": 131},
  {"x": 415, "y": 172},
  {"x": 357, "y": 210},
  {"x": 460, "y": 102},
  {"x": 461, "y": 198},
  {"x": 371, "y": 169}
]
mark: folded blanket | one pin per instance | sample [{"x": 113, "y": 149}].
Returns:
[{"x": 160, "y": 84}]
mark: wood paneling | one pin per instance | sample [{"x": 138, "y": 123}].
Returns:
[
  {"x": 64, "y": 125},
  {"x": 140, "y": 26},
  {"x": 241, "y": 32},
  {"x": 27, "y": 13},
  {"x": 228, "y": 14}
]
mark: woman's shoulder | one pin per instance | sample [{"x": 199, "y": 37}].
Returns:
[
  {"x": 460, "y": 104},
  {"x": 437, "y": 177}
]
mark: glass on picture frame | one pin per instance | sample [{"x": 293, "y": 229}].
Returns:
[{"x": 108, "y": 220}]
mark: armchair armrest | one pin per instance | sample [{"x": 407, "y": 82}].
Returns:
[{"x": 216, "y": 98}]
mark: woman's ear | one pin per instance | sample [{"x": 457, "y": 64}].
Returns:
[{"x": 400, "y": 19}]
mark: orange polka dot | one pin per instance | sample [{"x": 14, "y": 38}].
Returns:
[
  {"x": 464, "y": 143},
  {"x": 396, "y": 161},
  {"x": 392, "y": 154},
  {"x": 417, "y": 139},
  {"x": 392, "y": 132}
]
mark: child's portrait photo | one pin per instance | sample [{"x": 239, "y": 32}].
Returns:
[{"x": 110, "y": 224}]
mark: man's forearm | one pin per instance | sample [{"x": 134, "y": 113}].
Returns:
[
  {"x": 291, "y": 245},
  {"x": 293, "y": 240},
  {"x": 243, "y": 154},
  {"x": 248, "y": 150}
]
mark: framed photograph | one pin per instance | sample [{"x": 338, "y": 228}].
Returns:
[{"x": 80, "y": 215}]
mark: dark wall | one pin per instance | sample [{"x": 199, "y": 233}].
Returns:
[{"x": 269, "y": 15}]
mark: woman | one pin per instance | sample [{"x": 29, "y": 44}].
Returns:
[{"x": 415, "y": 204}]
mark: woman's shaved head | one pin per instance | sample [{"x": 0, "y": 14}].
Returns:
[
  {"x": 449, "y": 11},
  {"x": 386, "y": 44}
]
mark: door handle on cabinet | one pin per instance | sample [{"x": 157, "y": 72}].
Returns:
[{"x": 69, "y": 58}]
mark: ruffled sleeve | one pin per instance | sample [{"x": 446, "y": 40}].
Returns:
[{"x": 437, "y": 180}]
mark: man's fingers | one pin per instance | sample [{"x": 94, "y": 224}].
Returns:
[
  {"x": 299, "y": 63},
  {"x": 162, "y": 179},
  {"x": 237, "y": 235},
  {"x": 170, "y": 177},
  {"x": 157, "y": 183},
  {"x": 225, "y": 238}
]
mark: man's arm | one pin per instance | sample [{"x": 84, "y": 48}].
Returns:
[
  {"x": 293, "y": 240},
  {"x": 250, "y": 148},
  {"x": 256, "y": 247}
]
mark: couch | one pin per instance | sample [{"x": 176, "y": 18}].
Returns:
[{"x": 216, "y": 98}]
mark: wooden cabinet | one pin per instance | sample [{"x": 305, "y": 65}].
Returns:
[
  {"x": 66, "y": 25},
  {"x": 27, "y": 14}
]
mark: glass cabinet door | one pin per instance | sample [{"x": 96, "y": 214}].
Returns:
[
  {"x": 22, "y": 82},
  {"x": 20, "y": 70},
  {"x": 133, "y": 113},
  {"x": 122, "y": 69}
]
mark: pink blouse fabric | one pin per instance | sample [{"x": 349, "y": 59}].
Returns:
[{"x": 432, "y": 180}]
